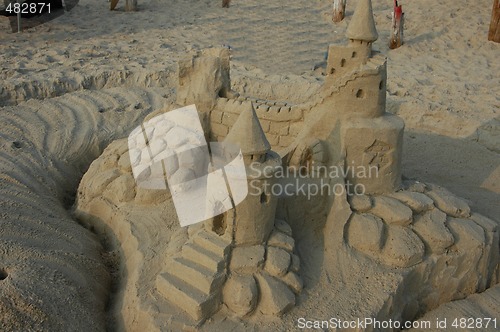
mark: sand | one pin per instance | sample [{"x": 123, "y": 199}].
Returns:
[{"x": 71, "y": 86}]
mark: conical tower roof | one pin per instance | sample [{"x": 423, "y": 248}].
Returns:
[
  {"x": 248, "y": 133},
  {"x": 362, "y": 25}
]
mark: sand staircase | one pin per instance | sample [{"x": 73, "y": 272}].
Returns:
[{"x": 193, "y": 279}]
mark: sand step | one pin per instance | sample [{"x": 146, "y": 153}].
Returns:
[
  {"x": 186, "y": 297},
  {"x": 212, "y": 242},
  {"x": 195, "y": 274},
  {"x": 204, "y": 257},
  {"x": 193, "y": 280}
]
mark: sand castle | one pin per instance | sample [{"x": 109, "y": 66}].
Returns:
[{"x": 248, "y": 262}]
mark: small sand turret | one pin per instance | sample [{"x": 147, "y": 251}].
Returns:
[
  {"x": 247, "y": 133},
  {"x": 361, "y": 33},
  {"x": 254, "y": 217},
  {"x": 362, "y": 26}
]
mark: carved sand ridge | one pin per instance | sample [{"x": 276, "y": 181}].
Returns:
[{"x": 43, "y": 249}]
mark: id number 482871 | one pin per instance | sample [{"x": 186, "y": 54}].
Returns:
[
  {"x": 474, "y": 323},
  {"x": 28, "y": 8}
]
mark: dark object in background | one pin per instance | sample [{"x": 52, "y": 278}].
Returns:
[
  {"x": 398, "y": 21},
  {"x": 30, "y": 20},
  {"x": 225, "y": 3},
  {"x": 338, "y": 10},
  {"x": 494, "y": 33},
  {"x": 54, "y": 5}
]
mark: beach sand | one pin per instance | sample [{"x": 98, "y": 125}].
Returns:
[{"x": 71, "y": 86}]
